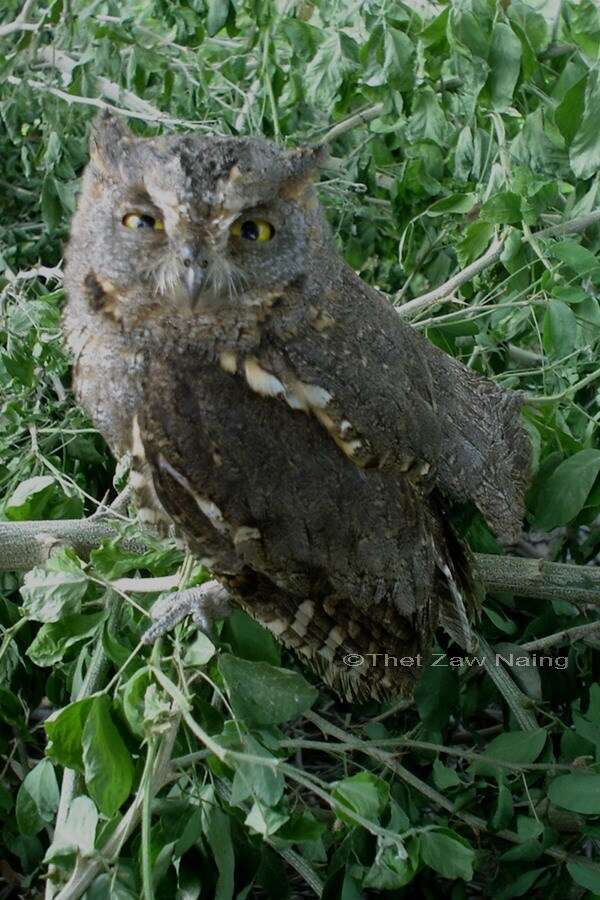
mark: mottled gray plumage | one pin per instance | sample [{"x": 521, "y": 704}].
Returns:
[{"x": 305, "y": 441}]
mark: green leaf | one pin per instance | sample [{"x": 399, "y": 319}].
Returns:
[
  {"x": 576, "y": 792},
  {"x": 503, "y": 811},
  {"x": 563, "y": 495},
  {"x": 569, "y": 113},
  {"x": 265, "y": 820},
  {"x": 263, "y": 694},
  {"x": 53, "y": 640},
  {"x": 333, "y": 61},
  {"x": 503, "y": 208},
  {"x": 107, "y": 762},
  {"x": 50, "y": 203},
  {"x": 513, "y": 747},
  {"x": 397, "y": 60},
  {"x": 447, "y": 853},
  {"x": 477, "y": 239},
  {"x": 263, "y": 782},
  {"x": 444, "y": 777},
  {"x": 428, "y": 119},
  {"x": 134, "y": 693},
  {"x": 200, "y": 651},
  {"x": 436, "y": 694},
  {"x": 505, "y": 64},
  {"x": 65, "y": 733},
  {"x": 363, "y": 793},
  {"x": 584, "y": 153},
  {"x": 41, "y": 498},
  {"x": 77, "y": 833},
  {"x": 585, "y": 876},
  {"x": 217, "y": 828},
  {"x": 579, "y": 258},
  {"x": 50, "y": 596},
  {"x": 455, "y": 203},
  {"x": 560, "y": 329},
  {"x": 218, "y": 10},
  {"x": 249, "y": 639},
  {"x": 391, "y": 870},
  {"x": 37, "y": 799}
]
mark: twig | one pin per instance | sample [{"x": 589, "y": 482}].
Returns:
[
  {"x": 434, "y": 796},
  {"x": 403, "y": 742},
  {"x": 491, "y": 256},
  {"x": 579, "y": 585},
  {"x": 19, "y": 23},
  {"x": 566, "y": 636},
  {"x": 110, "y": 90},
  {"x": 515, "y": 698},
  {"x": 358, "y": 118}
]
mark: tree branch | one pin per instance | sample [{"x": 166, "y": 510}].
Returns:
[
  {"x": 579, "y": 585},
  {"x": 491, "y": 256},
  {"x": 24, "y": 545},
  {"x": 358, "y": 118},
  {"x": 19, "y": 23}
]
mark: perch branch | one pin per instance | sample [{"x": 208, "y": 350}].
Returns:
[
  {"x": 579, "y": 585},
  {"x": 24, "y": 545}
]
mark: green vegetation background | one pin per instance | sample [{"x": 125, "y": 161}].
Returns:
[{"x": 198, "y": 768}]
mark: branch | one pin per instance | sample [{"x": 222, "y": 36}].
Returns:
[
  {"x": 359, "y": 118},
  {"x": 24, "y": 545},
  {"x": 491, "y": 256},
  {"x": 19, "y": 23},
  {"x": 579, "y": 585},
  {"x": 110, "y": 90},
  {"x": 566, "y": 636}
]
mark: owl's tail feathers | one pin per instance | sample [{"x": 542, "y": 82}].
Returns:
[
  {"x": 461, "y": 594},
  {"x": 487, "y": 452}
]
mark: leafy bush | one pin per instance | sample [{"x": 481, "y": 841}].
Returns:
[{"x": 199, "y": 768}]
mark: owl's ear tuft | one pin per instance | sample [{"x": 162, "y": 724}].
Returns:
[
  {"x": 107, "y": 137},
  {"x": 302, "y": 166}
]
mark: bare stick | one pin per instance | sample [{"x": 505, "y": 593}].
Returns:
[
  {"x": 566, "y": 636},
  {"x": 19, "y": 23},
  {"x": 359, "y": 118},
  {"x": 491, "y": 256}
]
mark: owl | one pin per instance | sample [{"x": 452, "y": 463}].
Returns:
[{"x": 305, "y": 442}]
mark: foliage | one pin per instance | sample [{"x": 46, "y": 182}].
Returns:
[{"x": 199, "y": 769}]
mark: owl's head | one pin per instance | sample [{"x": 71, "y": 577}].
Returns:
[{"x": 182, "y": 223}]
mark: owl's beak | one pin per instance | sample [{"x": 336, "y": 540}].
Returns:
[{"x": 194, "y": 280}]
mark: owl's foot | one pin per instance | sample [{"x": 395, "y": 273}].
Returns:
[{"x": 205, "y": 603}]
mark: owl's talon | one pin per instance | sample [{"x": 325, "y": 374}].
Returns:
[{"x": 205, "y": 603}]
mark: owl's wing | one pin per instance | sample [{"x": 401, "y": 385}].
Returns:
[
  {"x": 332, "y": 559},
  {"x": 390, "y": 399}
]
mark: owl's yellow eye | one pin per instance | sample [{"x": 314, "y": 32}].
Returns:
[
  {"x": 142, "y": 220},
  {"x": 253, "y": 229}
]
